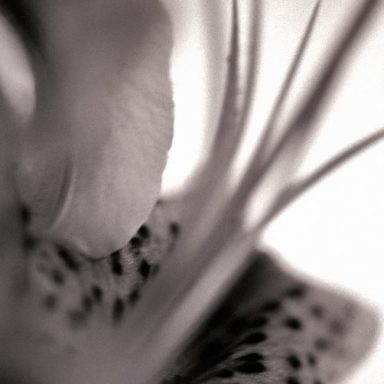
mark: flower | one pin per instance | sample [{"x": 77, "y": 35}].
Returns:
[{"x": 218, "y": 309}]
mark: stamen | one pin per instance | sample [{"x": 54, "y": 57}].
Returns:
[
  {"x": 268, "y": 131},
  {"x": 287, "y": 153}
]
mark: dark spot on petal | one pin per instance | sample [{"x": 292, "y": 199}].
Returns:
[
  {"x": 57, "y": 277},
  {"x": 174, "y": 228},
  {"x": 134, "y": 296},
  {"x": 293, "y": 323},
  {"x": 271, "y": 306},
  {"x": 294, "y": 361},
  {"x": 144, "y": 269},
  {"x": 50, "y": 302},
  {"x": 97, "y": 293},
  {"x": 337, "y": 327},
  {"x": 251, "y": 367},
  {"x": 25, "y": 214},
  {"x": 118, "y": 309},
  {"x": 317, "y": 382},
  {"x": 297, "y": 292},
  {"x": 68, "y": 259},
  {"x": 317, "y": 311},
  {"x": 116, "y": 266},
  {"x": 292, "y": 380},
  {"x": 322, "y": 344},
  {"x": 144, "y": 232},
  {"x": 136, "y": 242},
  {"x": 29, "y": 242},
  {"x": 254, "y": 338},
  {"x": 312, "y": 360}
]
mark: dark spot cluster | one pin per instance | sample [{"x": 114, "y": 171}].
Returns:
[
  {"x": 247, "y": 364},
  {"x": 78, "y": 317},
  {"x": 295, "y": 363},
  {"x": 135, "y": 244},
  {"x": 254, "y": 363},
  {"x": 141, "y": 238}
]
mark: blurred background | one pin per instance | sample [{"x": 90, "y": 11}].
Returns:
[{"x": 335, "y": 232}]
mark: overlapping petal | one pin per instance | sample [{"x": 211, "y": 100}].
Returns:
[{"x": 95, "y": 151}]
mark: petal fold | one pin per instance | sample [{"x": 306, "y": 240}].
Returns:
[{"x": 97, "y": 145}]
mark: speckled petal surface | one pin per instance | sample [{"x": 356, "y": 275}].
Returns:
[{"x": 274, "y": 327}]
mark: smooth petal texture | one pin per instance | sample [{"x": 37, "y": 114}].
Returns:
[{"x": 103, "y": 123}]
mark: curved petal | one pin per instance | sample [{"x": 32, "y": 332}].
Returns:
[{"x": 98, "y": 144}]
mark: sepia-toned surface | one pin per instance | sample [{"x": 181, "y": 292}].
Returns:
[{"x": 334, "y": 232}]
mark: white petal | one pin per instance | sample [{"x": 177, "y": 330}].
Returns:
[{"x": 103, "y": 124}]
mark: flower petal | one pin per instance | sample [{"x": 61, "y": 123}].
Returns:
[{"x": 98, "y": 144}]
